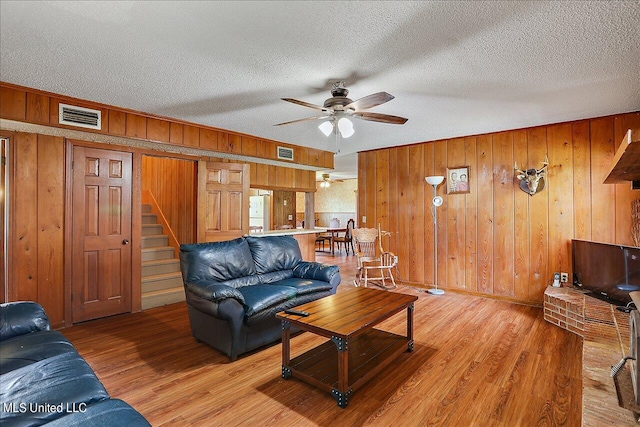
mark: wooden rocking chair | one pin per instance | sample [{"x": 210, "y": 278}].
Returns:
[{"x": 371, "y": 256}]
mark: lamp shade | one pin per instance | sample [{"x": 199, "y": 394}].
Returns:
[{"x": 434, "y": 180}]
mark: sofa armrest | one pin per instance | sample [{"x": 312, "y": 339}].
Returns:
[
  {"x": 214, "y": 291},
  {"x": 317, "y": 271},
  {"x": 19, "y": 318}
]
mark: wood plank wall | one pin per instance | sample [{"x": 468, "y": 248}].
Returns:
[
  {"x": 173, "y": 184},
  {"x": 497, "y": 240},
  {"x": 37, "y": 245},
  {"x": 36, "y": 262},
  {"x": 280, "y": 211},
  {"x": 36, "y": 248},
  {"x": 34, "y": 106}
]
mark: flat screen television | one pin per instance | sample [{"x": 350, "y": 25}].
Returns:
[{"x": 608, "y": 271}]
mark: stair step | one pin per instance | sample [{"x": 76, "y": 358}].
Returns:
[
  {"x": 162, "y": 297},
  {"x": 150, "y": 254},
  {"x": 154, "y": 241},
  {"x": 149, "y": 218},
  {"x": 159, "y": 282},
  {"x": 146, "y": 208},
  {"x": 161, "y": 266},
  {"x": 151, "y": 229}
]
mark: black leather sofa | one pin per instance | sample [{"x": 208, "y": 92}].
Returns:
[
  {"x": 43, "y": 379},
  {"x": 235, "y": 288}
]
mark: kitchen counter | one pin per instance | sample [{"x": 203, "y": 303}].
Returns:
[
  {"x": 290, "y": 232},
  {"x": 306, "y": 238}
]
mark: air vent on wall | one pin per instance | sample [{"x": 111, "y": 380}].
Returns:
[
  {"x": 285, "y": 153},
  {"x": 78, "y": 116}
]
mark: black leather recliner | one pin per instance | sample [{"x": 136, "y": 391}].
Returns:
[{"x": 235, "y": 288}]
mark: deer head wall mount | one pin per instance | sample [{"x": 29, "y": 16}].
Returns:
[{"x": 532, "y": 180}]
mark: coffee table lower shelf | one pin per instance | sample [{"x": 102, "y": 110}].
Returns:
[{"x": 367, "y": 354}]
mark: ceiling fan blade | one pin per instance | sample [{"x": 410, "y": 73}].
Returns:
[
  {"x": 303, "y": 120},
  {"x": 369, "y": 101},
  {"x": 305, "y": 104},
  {"x": 384, "y": 118}
]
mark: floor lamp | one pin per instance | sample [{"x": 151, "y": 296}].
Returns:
[{"x": 437, "y": 201}]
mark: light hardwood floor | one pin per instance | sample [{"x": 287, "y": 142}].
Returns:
[{"x": 477, "y": 362}]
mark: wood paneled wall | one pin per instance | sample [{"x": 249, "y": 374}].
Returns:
[
  {"x": 36, "y": 248},
  {"x": 497, "y": 240},
  {"x": 34, "y": 106},
  {"x": 281, "y": 211},
  {"x": 36, "y": 223},
  {"x": 280, "y": 178},
  {"x": 173, "y": 183}
]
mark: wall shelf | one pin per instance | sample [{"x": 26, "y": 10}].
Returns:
[{"x": 626, "y": 163}]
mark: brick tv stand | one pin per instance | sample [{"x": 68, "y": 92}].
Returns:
[{"x": 605, "y": 333}]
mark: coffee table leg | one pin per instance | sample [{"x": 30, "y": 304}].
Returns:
[
  {"x": 286, "y": 349},
  {"x": 343, "y": 392},
  {"x": 410, "y": 327}
]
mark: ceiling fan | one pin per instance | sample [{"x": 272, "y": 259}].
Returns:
[
  {"x": 338, "y": 108},
  {"x": 326, "y": 180}
]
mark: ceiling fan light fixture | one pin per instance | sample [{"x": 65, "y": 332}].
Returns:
[
  {"x": 346, "y": 127},
  {"x": 326, "y": 181},
  {"x": 326, "y": 128},
  {"x": 336, "y": 109}
]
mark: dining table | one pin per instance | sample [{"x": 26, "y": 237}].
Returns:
[{"x": 333, "y": 231}]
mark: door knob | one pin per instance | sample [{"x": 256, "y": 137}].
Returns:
[{"x": 125, "y": 242}]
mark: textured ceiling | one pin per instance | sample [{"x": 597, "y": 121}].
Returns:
[{"x": 455, "y": 68}]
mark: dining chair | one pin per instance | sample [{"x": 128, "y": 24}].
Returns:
[
  {"x": 320, "y": 239},
  {"x": 347, "y": 238}
]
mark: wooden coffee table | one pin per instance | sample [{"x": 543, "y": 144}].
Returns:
[{"x": 356, "y": 351}]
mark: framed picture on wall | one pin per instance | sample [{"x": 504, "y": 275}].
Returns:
[{"x": 458, "y": 180}]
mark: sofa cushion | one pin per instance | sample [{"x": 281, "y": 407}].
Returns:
[
  {"x": 275, "y": 276},
  {"x": 108, "y": 413},
  {"x": 274, "y": 253},
  {"x": 23, "y": 317},
  {"x": 261, "y": 297},
  {"x": 217, "y": 261},
  {"x": 45, "y": 385},
  {"x": 305, "y": 286},
  {"x": 26, "y": 349}
]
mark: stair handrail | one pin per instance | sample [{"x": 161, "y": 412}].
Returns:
[{"x": 149, "y": 199}]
